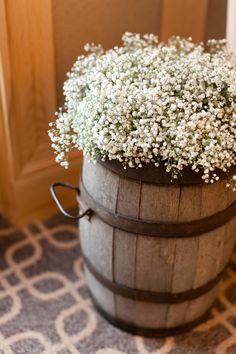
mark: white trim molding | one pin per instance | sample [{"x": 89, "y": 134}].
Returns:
[{"x": 231, "y": 24}]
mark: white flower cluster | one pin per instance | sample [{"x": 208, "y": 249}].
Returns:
[{"x": 150, "y": 102}]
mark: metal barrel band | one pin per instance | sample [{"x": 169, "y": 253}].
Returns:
[
  {"x": 149, "y": 173},
  {"x": 153, "y": 296},
  {"x": 152, "y": 228},
  {"x": 150, "y": 332}
]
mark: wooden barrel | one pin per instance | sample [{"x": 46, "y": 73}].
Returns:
[{"x": 154, "y": 251}]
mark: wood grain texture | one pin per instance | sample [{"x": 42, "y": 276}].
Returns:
[
  {"x": 124, "y": 257},
  {"x": 214, "y": 198},
  {"x": 79, "y": 22},
  {"x": 154, "y": 271},
  {"x": 190, "y": 310},
  {"x": 200, "y": 305},
  {"x": 216, "y": 19},
  {"x": 155, "y": 256},
  {"x": 184, "y": 18},
  {"x": 209, "y": 249},
  {"x": 214, "y": 247},
  {"x": 159, "y": 202},
  {"x": 33, "y": 93},
  {"x": 186, "y": 253},
  {"x": 231, "y": 195},
  {"x": 190, "y": 201},
  {"x": 101, "y": 184},
  {"x": 229, "y": 243},
  {"x": 160, "y": 264},
  {"x": 176, "y": 314},
  {"x": 141, "y": 314},
  {"x": 125, "y": 244},
  {"x": 28, "y": 102},
  {"x": 128, "y": 197},
  {"x": 96, "y": 239},
  {"x": 185, "y": 263},
  {"x": 103, "y": 296},
  {"x": 154, "y": 263},
  {"x": 6, "y": 153}
]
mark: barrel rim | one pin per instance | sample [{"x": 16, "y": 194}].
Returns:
[{"x": 149, "y": 173}]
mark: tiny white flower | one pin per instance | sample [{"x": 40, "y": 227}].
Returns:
[{"x": 145, "y": 102}]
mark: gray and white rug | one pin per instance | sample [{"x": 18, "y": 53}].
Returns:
[{"x": 45, "y": 305}]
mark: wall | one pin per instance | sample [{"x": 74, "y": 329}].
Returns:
[{"x": 79, "y": 22}]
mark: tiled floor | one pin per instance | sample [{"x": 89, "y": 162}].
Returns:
[{"x": 45, "y": 306}]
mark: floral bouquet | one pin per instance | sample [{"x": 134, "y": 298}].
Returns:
[{"x": 146, "y": 102}]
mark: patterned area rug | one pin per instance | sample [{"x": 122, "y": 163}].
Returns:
[{"x": 45, "y": 305}]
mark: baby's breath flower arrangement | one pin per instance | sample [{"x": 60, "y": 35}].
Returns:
[{"x": 148, "y": 102}]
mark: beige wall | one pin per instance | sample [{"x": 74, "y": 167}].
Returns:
[
  {"x": 215, "y": 26},
  {"x": 77, "y": 22}
]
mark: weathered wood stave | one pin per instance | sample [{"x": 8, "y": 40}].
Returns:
[{"x": 130, "y": 259}]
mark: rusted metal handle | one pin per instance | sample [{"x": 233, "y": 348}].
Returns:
[{"x": 60, "y": 207}]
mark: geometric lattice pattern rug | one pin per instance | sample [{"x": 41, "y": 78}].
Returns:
[{"x": 45, "y": 306}]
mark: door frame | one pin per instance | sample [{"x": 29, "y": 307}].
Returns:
[{"x": 27, "y": 104}]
